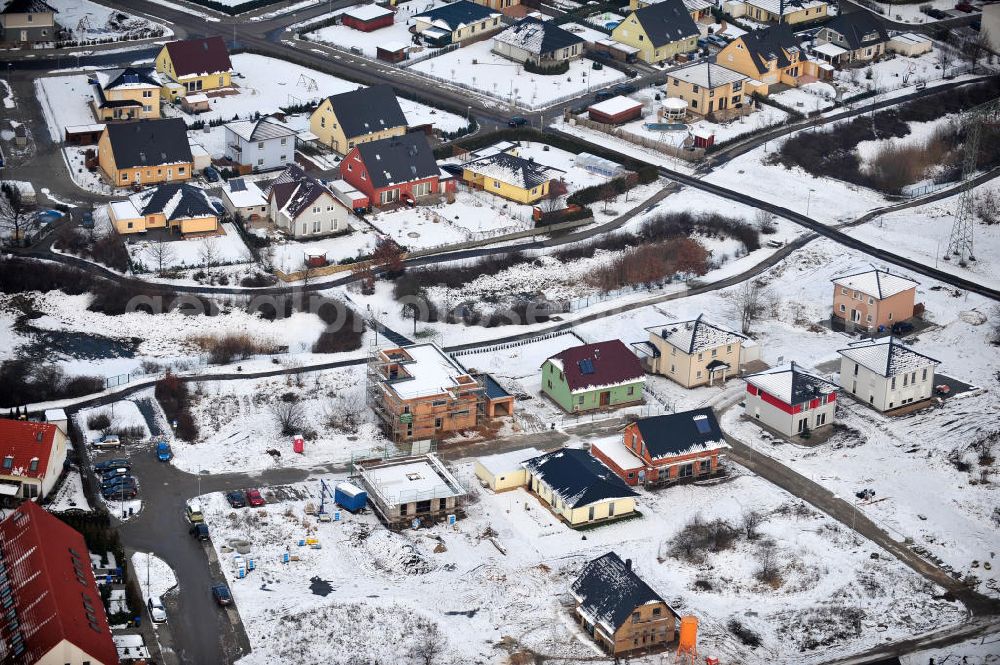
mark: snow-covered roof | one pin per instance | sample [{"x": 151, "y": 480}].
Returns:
[
  {"x": 367, "y": 12},
  {"x": 707, "y": 75},
  {"x": 456, "y": 15},
  {"x": 887, "y": 357},
  {"x": 430, "y": 371},
  {"x": 88, "y": 129},
  {"x": 124, "y": 210},
  {"x": 910, "y": 38},
  {"x": 616, "y": 451},
  {"x": 396, "y": 483},
  {"x": 129, "y": 77},
  {"x": 507, "y": 462},
  {"x": 174, "y": 201},
  {"x": 618, "y": 46},
  {"x": 537, "y": 37},
  {"x": 196, "y": 98},
  {"x": 829, "y": 49},
  {"x": 790, "y": 6},
  {"x": 683, "y": 433},
  {"x": 615, "y": 105},
  {"x": 696, "y": 335},
  {"x": 791, "y": 384},
  {"x": 877, "y": 283},
  {"x": 394, "y": 46},
  {"x": 260, "y": 130},
  {"x": 608, "y": 591},
  {"x": 578, "y": 478},
  {"x": 513, "y": 170},
  {"x": 54, "y": 415},
  {"x": 243, "y": 193}
]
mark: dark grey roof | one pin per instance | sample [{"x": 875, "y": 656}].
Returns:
[
  {"x": 28, "y": 7},
  {"x": 888, "y": 357},
  {"x": 295, "y": 190},
  {"x": 177, "y": 201},
  {"x": 459, "y": 13},
  {"x": 398, "y": 159},
  {"x": 513, "y": 170},
  {"x": 131, "y": 76},
  {"x": 770, "y": 44},
  {"x": 679, "y": 433},
  {"x": 493, "y": 389},
  {"x": 667, "y": 22},
  {"x": 791, "y": 385},
  {"x": 538, "y": 37},
  {"x": 149, "y": 142},
  {"x": 861, "y": 29},
  {"x": 367, "y": 110},
  {"x": 578, "y": 478},
  {"x": 608, "y": 591}
]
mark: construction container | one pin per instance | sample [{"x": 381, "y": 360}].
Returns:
[{"x": 350, "y": 497}]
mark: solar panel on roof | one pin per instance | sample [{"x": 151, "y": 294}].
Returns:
[
  {"x": 586, "y": 366},
  {"x": 237, "y": 185},
  {"x": 701, "y": 422}
]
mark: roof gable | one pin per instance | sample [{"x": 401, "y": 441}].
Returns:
[
  {"x": 513, "y": 170},
  {"x": 770, "y": 44},
  {"x": 538, "y": 37},
  {"x": 578, "y": 478},
  {"x": 262, "y": 129},
  {"x": 887, "y": 357},
  {"x": 457, "y": 15},
  {"x": 696, "y": 335},
  {"x": 295, "y": 190},
  {"x": 367, "y": 110},
  {"x": 607, "y": 591},
  {"x": 24, "y": 441},
  {"x": 877, "y": 283},
  {"x": 666, "y": 22},
  {"x": 129, "y": 77},
  {"x": 174, "y": 201},
  {"x": 681, "y": 433},
  {"x": 149, "y": 142},
  {"x": 196, "y": 57},
  {"x": 593, "y": 366},
  {"x": 861, "y": 29},
  {"x": 398, "y": 159},
  {"x": 791, "y": 385}
]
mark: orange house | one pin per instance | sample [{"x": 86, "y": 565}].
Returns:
[
  {"x": 874, "y": 299},
  {"x": 145, "y": 152},
  {"x": 666, "y": 450}
]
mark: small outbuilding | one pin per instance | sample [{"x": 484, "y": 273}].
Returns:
[
  {"x": 910, "y": 44},
  {"x": 84, "y": 134},
  {"x": 391, "y": 51},
  {"x": 505, "y": 471},
  {"x": 616, "y": 110},
  {"x": 195, "y": 103},
  {"x": 367, "y": 18},
  {"x": 350, "y": 497}
]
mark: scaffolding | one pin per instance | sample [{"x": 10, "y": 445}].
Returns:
[{"x": 413, "y": 419}]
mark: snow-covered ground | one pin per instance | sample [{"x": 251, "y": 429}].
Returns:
[
  {"x": 499, "y": 579},
  {"x": 65, "y": 101},
  {"x": 477, "y": 67},
  {"x": 808, "y": 98},
  {"x": 911, "y": 12},
  {"x": 155, "y": 576},
  {"x": 224, "y": 249},
  {"x": 92, "y": 21},
  {"x": 345, "y": 37},
  {"x": 289, "y": 255},
  {"x": 70, "y": 496}
]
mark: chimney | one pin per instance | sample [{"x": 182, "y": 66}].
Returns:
[{"x": 628, "y": 564}]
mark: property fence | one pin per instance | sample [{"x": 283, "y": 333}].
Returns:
[
  {"x": 586, "y": 301},
  {"x": 431, "y": 53},
  {"x": 678, "y": 152},
  {"x": 512, "y": 345}
]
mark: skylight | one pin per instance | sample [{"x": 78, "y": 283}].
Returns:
[{"x": 701, "y": 422}]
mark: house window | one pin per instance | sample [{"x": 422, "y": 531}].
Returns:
[
  {"x": 871, "y": 301},
  {"x": 843, "y": 308},
  {"x": 147, "y": 94},
  {"x": 729, "y": 348},
  {"x": 704, "y": 466},
  {"x": 260, "y": 162},
  {"x": 820, "y": 419},
  {"x": 843, "y": 290},
  {"x": 923, "y": 376},
  {"x": 316, "y": 226},
  {"x": 33, "y": 464},
  {"x": 305, "y": 229},
  {"x": 890, "y": 316},
  {"x": 550, "y": 383},
  {"x": 438, "y": 423},
  {"x": 631, "y": 390},
  {"x": 611, "y": 509},
  {"x": 698, "y": 375},
  {"x": 686, "y": 471},
  {"x": 8, "y": 462},
  {"x": 284, "y": 141},
  {"x": 715, "y": 352},
  {"x": 322, "y": 123},
  {"x": 856, "y": 369},
  {"x": 892, "y": 385},
  {"x": 869, "y": 318},
  {"x": 700, "y": 356},
  {"x": 180, "y": 170},
  {"x": 579, "y": 400},
  {"x": 694, "y": 88}
]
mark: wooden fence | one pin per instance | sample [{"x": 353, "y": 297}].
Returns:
[{"x": 687, "y": 154}]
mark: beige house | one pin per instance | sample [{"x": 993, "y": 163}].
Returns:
[
  {"x": 457, "y": 22},
  {"x": 505, "y": 471},
  {"x": 692, "y": 353},
  {"x": 24, "y": 22},
  {"x": 659, "y": 32},
  {"x": 367, "y": 114},
  {"x": 709, "y": 88},
  {"x": 132, "y": 93},
  {"x": 873, "y": 299},
  {"x": 177, "y": 207},
  {"x": 859, "y": 36},
  {"x": 886, "y": 374}
]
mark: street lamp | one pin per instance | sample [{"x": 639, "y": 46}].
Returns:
[{"x": 808, "y": 199}]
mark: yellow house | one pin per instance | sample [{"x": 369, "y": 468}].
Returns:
[
  {"x": 708, "y": 88},
  {"x": 698, "y": 9},
  {"x": 194, "y": 65},
  {"x": 659, "y": 31},
  {"x": 456, "y": 22},
  {"x": 145, "y": 152},
  {"x": 367, "y": 114},
  {"x": 132, "y": 93},
  {"x": 511, "y": 177},
  {"x": 498, "y": 5},
  {"x": 505, "y": 471},
  {"x": 577, "y": 488},
  {"x": 769, "y": 57},
  {"x": 692, "y": 353},
  {"x": 28, "y": 22},
  {"x": 180, "y": 207},
  {"x": 794, "y": 11}
]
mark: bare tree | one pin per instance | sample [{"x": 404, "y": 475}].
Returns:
[
  {"x": 975, "y": 48},
  {"x": 161, "y": 254},
  {"x": 768, "y": 567},
  {"x": 751, "y": 520},
  {"x": 764, "y": 221},
  {"x": 428, "y": 645},
  {"x": 346, "y": 412},
  {"x": 388, "y": 255},
  {"x": 289, "y": 415},
  {"x": 608, "y": 195},
  {"x": 750, "y": 303},
  {"x": 208, "y": 252},
  {"x": 552, "y": 201},
  {"x": 15, "y": 217}
]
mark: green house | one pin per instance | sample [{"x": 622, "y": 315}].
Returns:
[{"x": 593, "y": 376}]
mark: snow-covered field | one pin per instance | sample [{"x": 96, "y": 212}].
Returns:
[
  {"x": 344, "y": 37},
  {"x": 497, "y": 582},
  {"x": 477, "y": 67},
  {"x": 155, "y": 576},
  {"x": 289, "y": 255},
  {"x": 224, "y": 249},
  {"x": 70, "y": 496}
]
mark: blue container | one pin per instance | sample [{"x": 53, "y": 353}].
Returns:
[{"x": 350, "y": 497}]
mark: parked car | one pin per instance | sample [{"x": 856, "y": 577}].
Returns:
[
  {"x": 631, "y": 73},
  {"x": 212, "y": 174},
  {"x": 193, "y": 512},
  {"x": 942, "y": 389},
  {"x": 108, "y": 441},
  {"x": 87, "y": 219},
  {"x": 156, "y": 610},
  {"x": 602, "y": 95},
  {"x": 901, "y": 328},
  {"x": 236, "y": 499},
  {"x": 221, "y": 594},
  {"x": 254, "y": 498},
  {"x": 199, "y": 531},
  {"x": 517, "y": 121},
  {"x": 117, "y": 472},
  {"x": 101, "y": 467},
  {"x": 118, "y": 493},
  {"x": 624, "y": 89},
  {"x": 702, "y": 42},
  {"x": 163, "y": 452},
  {"x": 118, "y": 480},
  {"x": 120, "y": 484}
]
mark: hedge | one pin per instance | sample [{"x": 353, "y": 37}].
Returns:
[{"x": 551, "y": 70}]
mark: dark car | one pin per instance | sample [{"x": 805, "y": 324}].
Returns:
[
  {"x": 221, "y": 594},
  {"x": 901, "y": 328},
  {"x": 87, "y": 219},
  {"x": 199, "y": 531},
  {"x": 212, "y": 174},
  {"x": 255, "y": 499},
  {"x": 106, "y": 465},
  {"x": 236, "y": 499},
  {"x": 631, "y": 73},
  {"x": 117, "y": 493},
  {"x": 118, "y": 484},
  {"x": 517, "y": 121},
  {"x": 624, "y": 89},
  {"x": 117, "y": 472}
]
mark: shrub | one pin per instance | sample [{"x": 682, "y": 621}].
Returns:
[
  {"x": 744, "y": 634},
  {"x": 174, "y": 398},
  {"x": 651, "y": 263},
  {"x": 224, "y": 349},
  {"x": 25, "y": 382},
  {"x": 547, "y": 70},
  {"x": 455, "y": 276},
  {"x": 344, "y": 327},
  {"x": 258, "y": 279},
  {"x": 98, "y": 421}
]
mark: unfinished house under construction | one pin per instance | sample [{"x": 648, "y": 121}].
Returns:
[
  {"x": 411, "y": 490},
  {"x": 420, "y": 392}
]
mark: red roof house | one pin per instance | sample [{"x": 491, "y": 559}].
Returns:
[
  {"x": 56, "y": 615},
  {"x": 593, "y": 376},
  {"x": 399, "y": 168},
  {"x": 31, "y": 457}
]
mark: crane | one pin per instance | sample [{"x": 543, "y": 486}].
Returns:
[{"x": 960, "y": 242}]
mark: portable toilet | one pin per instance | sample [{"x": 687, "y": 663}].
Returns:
[
  {"x": 350, "y": 496},
  {"x": 298, "y": 444}
]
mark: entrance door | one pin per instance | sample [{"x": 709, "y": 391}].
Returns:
[
  {"x": 711, "y": 105},
  {"x": 605, "y": 398},
  {"x": 855, "y": 315}
]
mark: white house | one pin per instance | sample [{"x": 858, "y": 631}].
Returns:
[
  {"x": 886, "y": 374},
  {"x": 790, "y": 401},
  {"x": 31, "y": 456},
  {"x": 539, "y": 42},
  {"x": 304, "y": 207},
  {"x": 243, "y": 197},
  {"x": 264, "y": 144}
]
